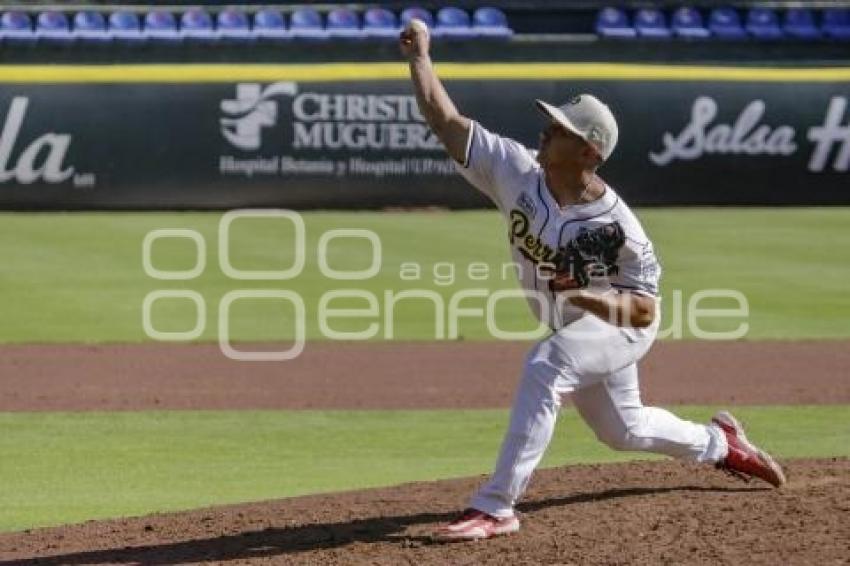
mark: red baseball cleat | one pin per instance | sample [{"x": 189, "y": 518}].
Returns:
[
  {"x": 475, "y": 525},
  {"x": 745, "y": 460}
]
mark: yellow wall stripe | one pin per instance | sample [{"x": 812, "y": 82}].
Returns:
[{"x": 211, "y": 73}]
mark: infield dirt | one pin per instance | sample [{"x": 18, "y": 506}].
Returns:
[
  {"x": 396, "y": 375},
  {"x": 636, "y": 513}
]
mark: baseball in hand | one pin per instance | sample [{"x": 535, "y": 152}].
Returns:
[
  {"x": 414, "y": 40},
  {"x": 417, "y": 25}
]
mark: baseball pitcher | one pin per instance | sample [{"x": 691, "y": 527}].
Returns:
[{"x": 591, "y": 274}]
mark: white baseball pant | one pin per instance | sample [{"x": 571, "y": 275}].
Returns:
[{"x": 597, "y": 363}]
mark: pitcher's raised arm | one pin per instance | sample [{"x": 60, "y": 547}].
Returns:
[{"x": 439, "y": 111}]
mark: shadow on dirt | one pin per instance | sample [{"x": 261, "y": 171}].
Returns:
[{"x": 293, "y": 540}]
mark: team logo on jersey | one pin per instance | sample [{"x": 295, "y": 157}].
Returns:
[
  {"x": 529, "y": 245},
  {"x": 526, "y": 203}
]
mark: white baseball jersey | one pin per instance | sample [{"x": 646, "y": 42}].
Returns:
[{"x": 538, "y": 227}]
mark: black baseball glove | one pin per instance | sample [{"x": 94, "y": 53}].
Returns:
[{"x": 592, "y": 253}]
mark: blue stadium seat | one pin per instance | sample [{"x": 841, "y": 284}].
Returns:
[
  {"x": 419, "y": 13},
  {"x": 125, "y": 27},
  {"x": 234, "y": 25},
  {"x": 800, "y": 24},
  {"x": 453, "y": 23},
  {"x": 491, "y": 22},
  {"x": 725, "y": 23},
  {"x": 344, "y": 24},
  {"x": 651, "y": 24},
  {"x": 614, "y": 23},
  {"x": 16, "y": 28},
  {"x": 836, "y": 23},
  {"x": 306, "y": 24},
  {"x": 380, "y": 23},
  {"x": 270, "y": 25},
  {"x": 161, "y": 26},
  {"x": 763, "y": 23},
  {"x": 687, "y": 23},
  {"x": 52, "y": 26},
  {"x": 196, "y": 25},
  {"x": 90, "y": 27}
]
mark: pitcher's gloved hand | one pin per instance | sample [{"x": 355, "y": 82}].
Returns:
[{"x": 592, "y": 253}]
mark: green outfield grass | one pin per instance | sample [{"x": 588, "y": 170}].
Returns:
[
  {"x": 66, "y": 467},
  {"x": 79, "y": 277}
]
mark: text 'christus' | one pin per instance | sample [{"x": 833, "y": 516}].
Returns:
[
  {"x": 747, "y": 135},
  {"x": 42, "y": 159}
]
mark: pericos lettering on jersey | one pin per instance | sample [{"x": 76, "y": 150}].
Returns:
[{"x": 529, "y": 245}]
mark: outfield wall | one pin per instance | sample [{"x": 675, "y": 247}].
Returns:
[{"x": 350, "y": 136}]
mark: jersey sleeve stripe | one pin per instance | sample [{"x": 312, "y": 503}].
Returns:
[{"x": 467, "y": 154}]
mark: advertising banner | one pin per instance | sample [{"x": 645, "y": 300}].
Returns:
[{"x": 354, "y": 143}]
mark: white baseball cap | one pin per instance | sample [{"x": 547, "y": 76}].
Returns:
[{"x": 587, "y": 117}]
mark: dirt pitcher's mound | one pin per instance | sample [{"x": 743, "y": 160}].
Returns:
[{"x": 637, "y": 513}]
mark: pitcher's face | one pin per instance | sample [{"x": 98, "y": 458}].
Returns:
[{"x": 561, "y": 147}]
